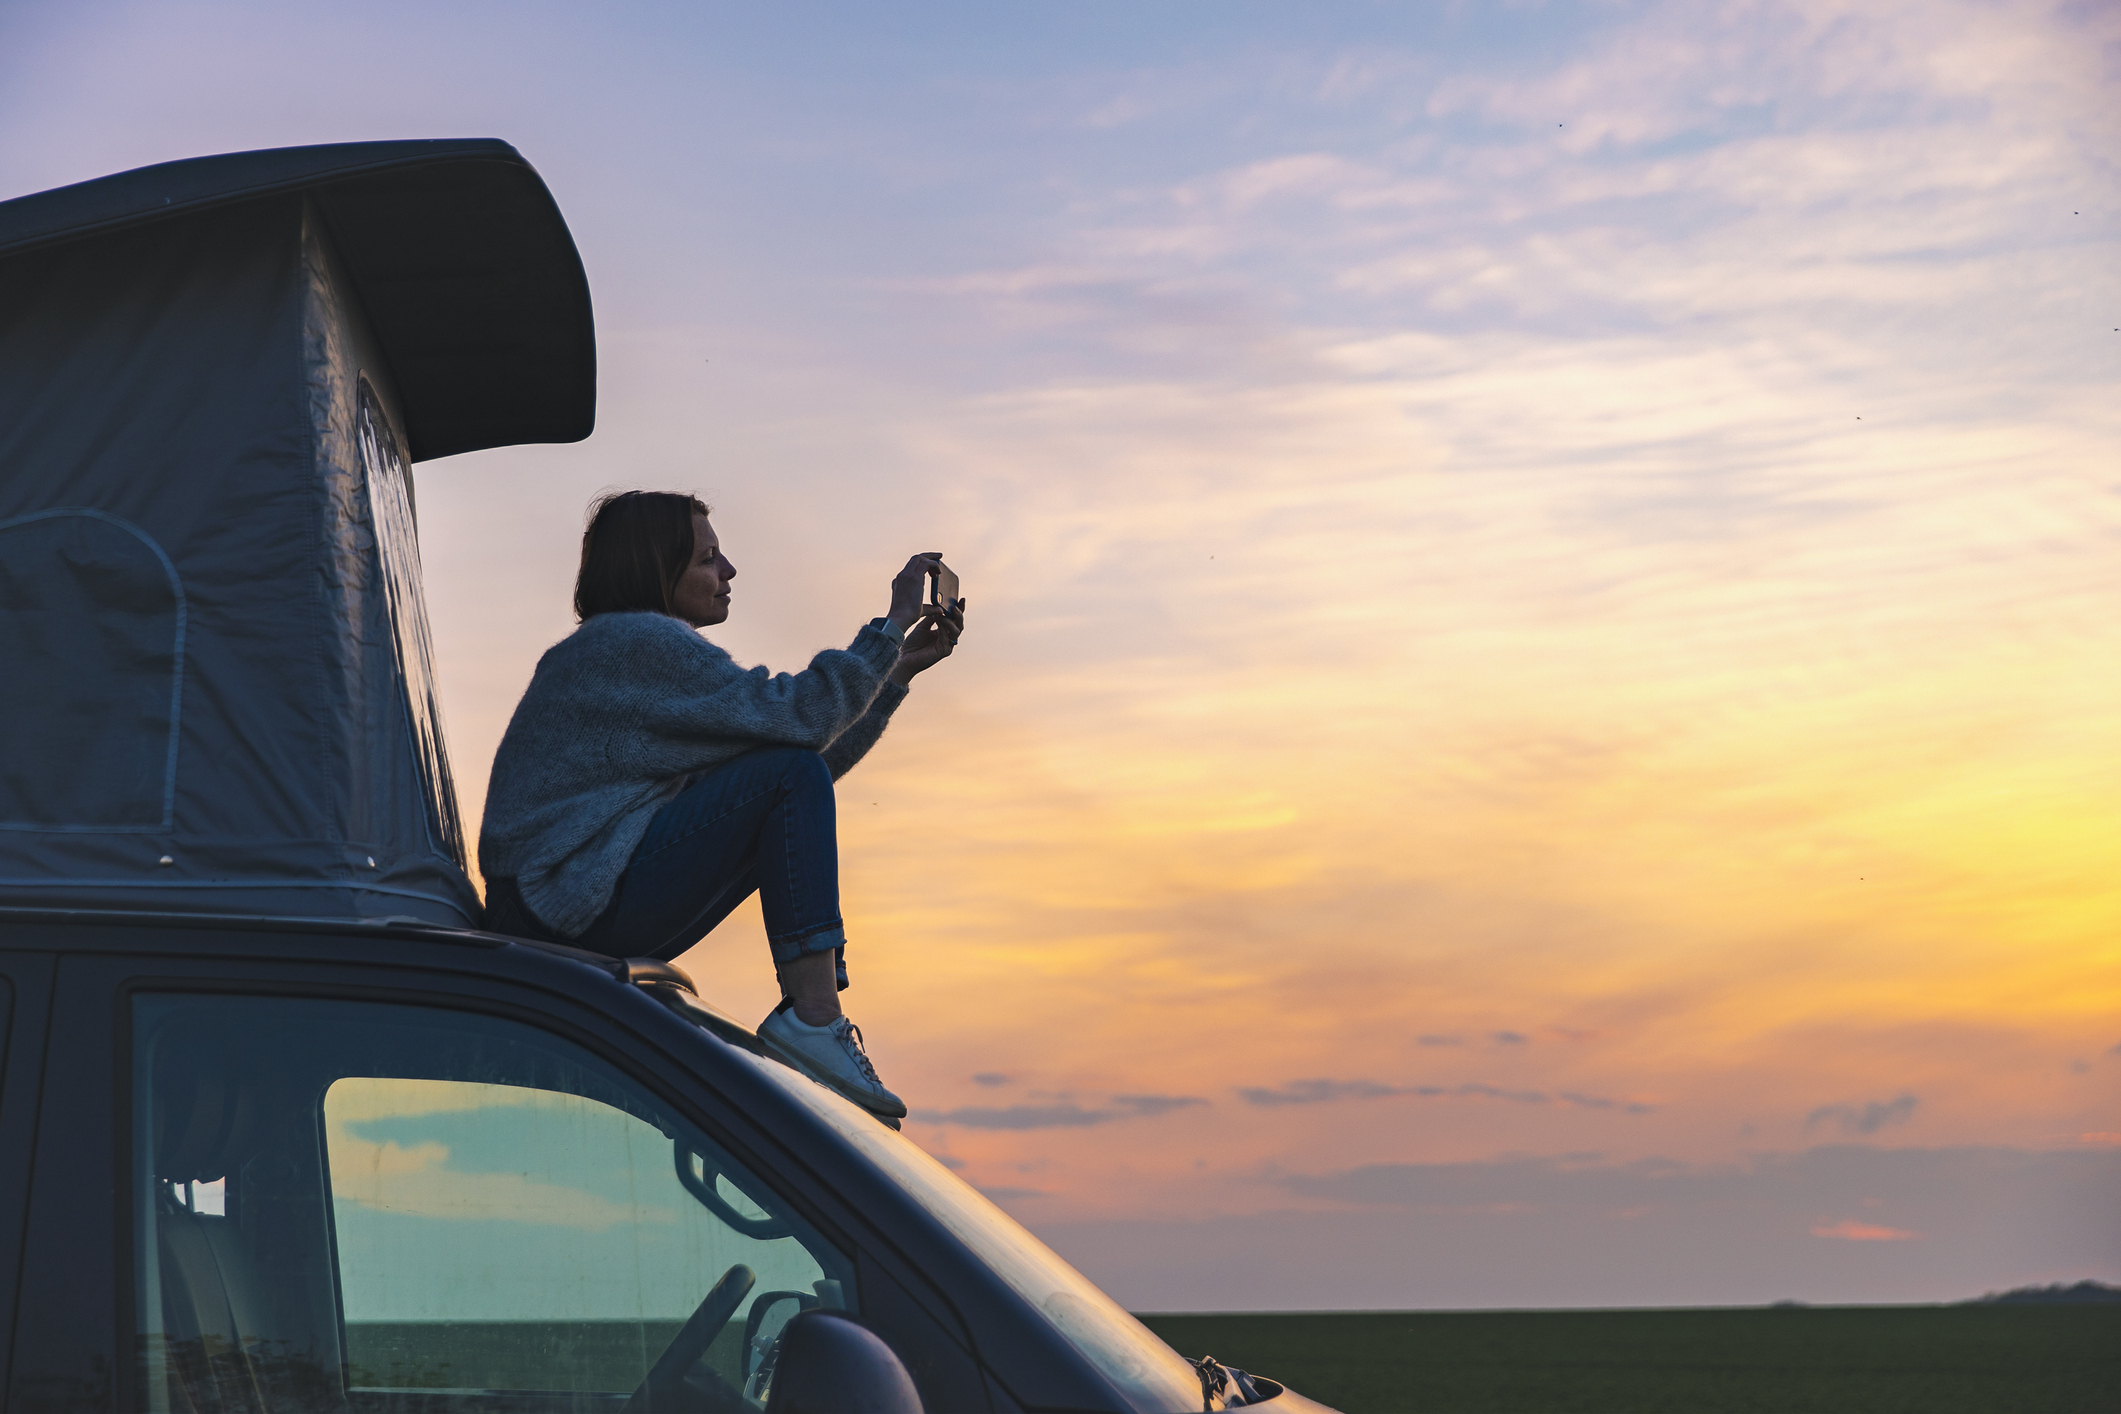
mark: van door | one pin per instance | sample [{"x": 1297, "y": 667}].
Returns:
[
  {"x": 329, "y": 1193},
  {"x": 409, "y": 1207}
]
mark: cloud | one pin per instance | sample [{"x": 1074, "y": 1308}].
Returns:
[
  {"x": 1064, "y": 1115},
  {"x": 1849, "y": 1230},
  {"x": 990, "y": 1078},
  {"x": 1509, "y": 1038},
  {"x": 1317, "y": 1092},
  {"x": 1157, "y": 1104},
  {"x": 1602, "y": 1102},
  {"x": 1864, "y": 1119},
  {"x": 1439, "y": 1040},
  {"x": 1479, "y": 1091},
  {"x": 1005, "y": 1194}
]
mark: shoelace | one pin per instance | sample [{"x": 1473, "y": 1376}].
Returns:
[{"x": 851, "y": 1038}]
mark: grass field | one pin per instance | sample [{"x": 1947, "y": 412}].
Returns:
[
  {"x": 1804, "y": 1360},
  {"x": 561, "y": 1355}
]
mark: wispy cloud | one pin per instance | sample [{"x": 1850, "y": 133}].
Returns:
[
  {"x": 1156, "y": 1104},
  {"x": 1317, "y": 1092},
  {"x": 1866, "y": 1118},
  {"x": 1063, "y": 1115},
  {"x": 1605, "y": 1102}
]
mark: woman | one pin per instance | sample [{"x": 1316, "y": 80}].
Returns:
[{"x": 647, "y": 785}]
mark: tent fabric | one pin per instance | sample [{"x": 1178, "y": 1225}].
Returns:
[
  {"x": 93, "y": 748},
  {"x": 219, "y": 689},
  {"x": 457, "y": 254}
]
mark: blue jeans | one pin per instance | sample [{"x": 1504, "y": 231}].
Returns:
[{"x": 764, "y": 821}]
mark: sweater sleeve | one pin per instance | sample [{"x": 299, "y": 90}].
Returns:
[
  {"x": 853, "y": 744},
  {"x": 686, "y": 690}
]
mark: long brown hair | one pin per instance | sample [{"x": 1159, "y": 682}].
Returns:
[{"x": 635, "y": 548}]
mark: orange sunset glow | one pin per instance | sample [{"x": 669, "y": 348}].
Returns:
[{"x": 1538, "y": 723}]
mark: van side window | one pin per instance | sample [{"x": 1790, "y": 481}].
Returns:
[
  {"x": 397, "y": 538},
  {"x": 358, "y": 1206}
]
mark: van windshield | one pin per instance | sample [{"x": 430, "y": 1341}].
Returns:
[{"x": 1152, "y": 1375}]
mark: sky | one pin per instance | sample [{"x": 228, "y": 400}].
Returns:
[{"x": 1537, "y": 726}]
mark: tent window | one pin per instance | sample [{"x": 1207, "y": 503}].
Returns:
[
  {"x": 398, "y": 542},
  {"x": 92, "y": 636}
]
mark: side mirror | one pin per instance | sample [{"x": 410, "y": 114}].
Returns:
[{"x": 832, "y": 1364}]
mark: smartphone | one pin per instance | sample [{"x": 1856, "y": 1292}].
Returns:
[{"x": 942, "y": 586}]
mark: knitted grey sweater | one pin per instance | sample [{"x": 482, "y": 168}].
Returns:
[{"x": 620, "y": 714}]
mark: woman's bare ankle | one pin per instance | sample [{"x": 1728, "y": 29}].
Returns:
[
  {"x": 817, "y": 1013},
  {"x": 811, "y": 984}
]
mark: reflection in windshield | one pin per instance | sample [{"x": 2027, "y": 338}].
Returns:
[{"x": 1150, "y": 1373}]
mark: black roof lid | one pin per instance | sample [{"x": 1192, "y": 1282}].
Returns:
[{"x": 464, "y": 265}]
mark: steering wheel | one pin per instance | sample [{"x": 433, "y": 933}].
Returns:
[{"x": 665, "y": 1389}]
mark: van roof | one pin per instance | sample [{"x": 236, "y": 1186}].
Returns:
[{"x": 460, "y": 258}]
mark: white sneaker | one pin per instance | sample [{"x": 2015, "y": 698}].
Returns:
[{"x": 831, "y": 1054}]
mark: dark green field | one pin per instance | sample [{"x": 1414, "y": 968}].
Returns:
[
  {"x": 1806, "y": 1360},
  {"x": 563, "y": 1355},
  {"x": 1809, "y": 1360}
]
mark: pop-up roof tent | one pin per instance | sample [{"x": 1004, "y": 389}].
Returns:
[{"x": 217, "y": 692}]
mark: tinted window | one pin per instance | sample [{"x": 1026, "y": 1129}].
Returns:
[{"x": 350, "y": 1205}]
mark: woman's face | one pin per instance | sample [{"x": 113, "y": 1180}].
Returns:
[{"x": 702, "y": 595}]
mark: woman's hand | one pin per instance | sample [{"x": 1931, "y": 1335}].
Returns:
[
  {"x": 932, "y": 641},
  {"x": 909, "y": 588}
]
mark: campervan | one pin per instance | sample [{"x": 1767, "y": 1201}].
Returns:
[{"x": 281, "y": 1128}]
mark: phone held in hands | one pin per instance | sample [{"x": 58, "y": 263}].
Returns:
[{"x": 942, "y": 586}]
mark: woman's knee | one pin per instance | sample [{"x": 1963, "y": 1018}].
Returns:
[{"x": 801, "y": 769}]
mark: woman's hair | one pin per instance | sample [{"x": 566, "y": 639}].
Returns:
[{"x": 635, "y": 548}]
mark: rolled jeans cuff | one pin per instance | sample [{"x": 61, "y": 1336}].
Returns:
[{"x": 830, "y": 938}]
